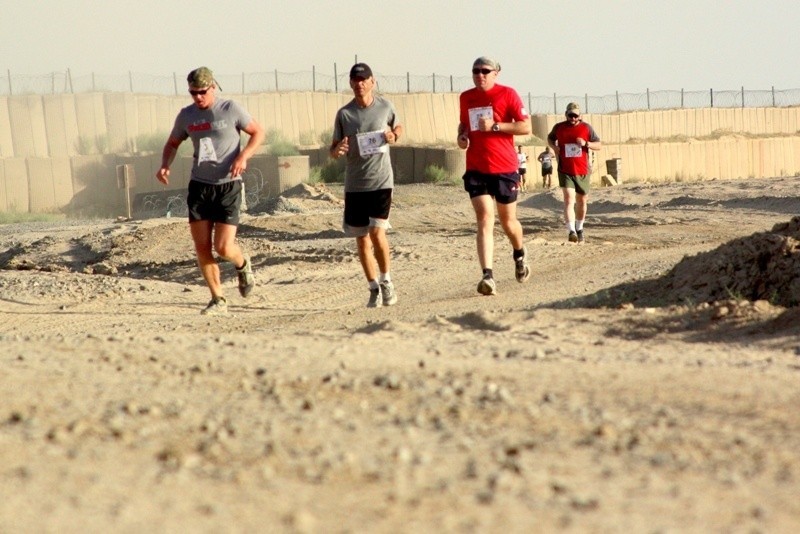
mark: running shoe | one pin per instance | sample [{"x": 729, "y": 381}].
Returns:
[
  {"x": 246, "y": 279},
  {"x": 487, "y": 286},
  {"x": 375, "y": 298},
  {"x": 388, "y": 293},
  {"x": 521, "y": 269},
  {"x": 217, "y": 306},
  {"x": 580, "y": 236},
  {"x": 573, "y": 237}
]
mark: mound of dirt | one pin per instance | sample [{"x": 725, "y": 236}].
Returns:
[
  {"x": 302, "y": 198},
  {"x": 762, "y": 266}
]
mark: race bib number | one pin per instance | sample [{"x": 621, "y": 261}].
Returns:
[
  {"x": 371, "y": 143},
  {"x": 572, "y": 150},
  {"x": 476, "y": 114},
  {"x": 206, "y": 152}
]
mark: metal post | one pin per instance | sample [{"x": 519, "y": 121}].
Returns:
[
  {"x": 127, "y": 171},
  {"x": 530, "y": 107},
  {"x": 408, "y": 82},
  {"x": 743, "y": 97},
  {"x": 276, "y": 81},
  {"x": 648, "y": 98},
  {"x": 69, "y": 79},
  {"x": 175, "y": 82},
  {"x": 681, "y": 97},
  {"x": 313, "y": 78},
  {"x": 617, "y": 93},
  {"x": 130, "y": 80},
  {"x": 451, "y": 83},
  {"x": 10, "y": 92},
  {"x": 53, "y": 82},
  {"x": 712, "y": 97},
  {"x": 773, "y": 90},
  {"x": 555, "y": 105},
  {"x": 434, "y": 82},
  {"x": 586, "y": 102}
]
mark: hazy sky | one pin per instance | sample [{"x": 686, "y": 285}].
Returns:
[{"x": 544, "y": 46}]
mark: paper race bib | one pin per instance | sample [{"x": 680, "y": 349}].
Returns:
[
  {"x": 572, "y": 150},
  {"x": 206, "y": 152},
  {"x": 476, "y": 114},
  {"x": 370, "y": 143}
]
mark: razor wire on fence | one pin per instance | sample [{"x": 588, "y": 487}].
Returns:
[
  {"x": 255, "y": 190},
  {"x": 313, "y": 80},
  {"x": 169, "y": 204}
]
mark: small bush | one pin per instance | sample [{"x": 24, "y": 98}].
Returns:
[
  {"x": 152, "y": 142},
  {"x": 101, "y": 143},
  {"x": 307, "y": 139},
  {"x": 437, "y": 175},
  {"x": 85, "y": 146},
  {"x": 278, "y": 145},
  {"x": 326, "y": 137},
  {"x": 283, "y": 148},
  {"x": 333, "y": 171},
  {"x": 314, "y": 175}
]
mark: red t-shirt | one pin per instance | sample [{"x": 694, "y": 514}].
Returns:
[
  {"x": 491, "y": 152},
  {"x": 572, "y": 158}
]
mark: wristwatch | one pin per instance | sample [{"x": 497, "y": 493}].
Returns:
[{"x": 496, "y": 127}]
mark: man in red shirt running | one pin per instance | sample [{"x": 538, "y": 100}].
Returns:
[
  {"x": 491, "y": 115},
  {"x": 572, "y": 139}
]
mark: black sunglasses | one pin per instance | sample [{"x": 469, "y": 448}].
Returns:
[
  {"x": 197, "y": 92},
  {"x": 573, "y": 115},
  {"x": 482, "y": 71}
]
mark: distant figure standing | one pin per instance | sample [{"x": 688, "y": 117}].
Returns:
[
  {"x": 362, "y": 131},
  {"x": 572, "y": 139},
  {"x": 490, "y": 116},
  {"x": 522, "y": 158},
  {"x": 215, "y": 188},
  {"x": 546, "y": 159}
]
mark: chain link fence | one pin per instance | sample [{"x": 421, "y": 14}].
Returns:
[{"x": 268, "y": 82}]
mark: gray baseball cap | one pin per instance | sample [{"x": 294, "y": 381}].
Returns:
[{"x": 488, "y": 62}]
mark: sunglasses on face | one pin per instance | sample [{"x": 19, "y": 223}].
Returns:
[
  {"x": 196, "y": 92},
  {"x": 573, "y": 115},
  {"x": 485, "y": 72}
]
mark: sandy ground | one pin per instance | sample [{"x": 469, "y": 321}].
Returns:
[{"x": 645, "y": 381}]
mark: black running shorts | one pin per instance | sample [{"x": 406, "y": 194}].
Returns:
[
  {"x": 363, "y": 207},
  {"x": 502, "y": 187},
  {"x": 217, "y": 203}
]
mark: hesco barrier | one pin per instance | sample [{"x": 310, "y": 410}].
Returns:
[
  {"x": 112, "y": 123},
  {"x": 42, "y": 139},
  {"x": 89, "y": 184}
]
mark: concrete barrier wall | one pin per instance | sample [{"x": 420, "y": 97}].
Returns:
[
  {"x": 726, "y": 158},
  {"x": 14, "y": 185},
  {"x": 6, "y": 141},
  {"x": 684, "y": 123},
  {"x": 88, "y": 184},
  {"x": 57, "y": 125},
  {"x": 43, "y": 139}
]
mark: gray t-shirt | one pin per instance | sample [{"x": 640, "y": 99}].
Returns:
[
  {"x": 215, "y": 136},
  {"x": 369, "y": 167}
]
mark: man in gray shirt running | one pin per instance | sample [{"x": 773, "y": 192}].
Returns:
[
  {"x": 215, "y": 188},
  {"x": 363, "y": 131}
]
